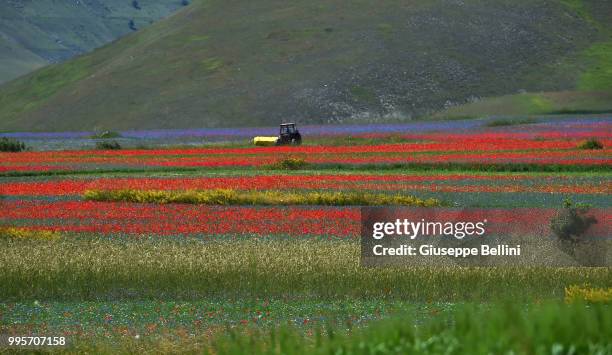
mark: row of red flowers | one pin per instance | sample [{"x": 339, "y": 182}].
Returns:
[
  {"x": 95, "y": 217},
  {"x": 46, "y": 161},
  {"x": 445, "y": 145},
  {"x": 395, "y": 182},
  {"x": 166, "y": 220}
]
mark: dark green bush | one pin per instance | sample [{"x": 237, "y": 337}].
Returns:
[
  {"x": 11, "y": 145},
  {"x": 290, "y": 163},
  {"x": 571, "y": 223},
  {"x": 108, "y": 145},
  {"x": 590, "y": 144},
  {"x": 508, "y": 122}
]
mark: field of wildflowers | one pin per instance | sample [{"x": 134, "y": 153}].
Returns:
[
  {"x": 95, "y": 244},
  {"x": 543, "y": 146}
]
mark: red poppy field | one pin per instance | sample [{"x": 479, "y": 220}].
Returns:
[{"x": 488, "y": 149}]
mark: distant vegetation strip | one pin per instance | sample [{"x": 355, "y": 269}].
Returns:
[
  {"x": 100, "y": 268},
  {"x": 34, "y": 172},
  {"x": 369, "y": 167},
  {"x": 480, "y": 167},
  {"x": 255, "y": 197}
]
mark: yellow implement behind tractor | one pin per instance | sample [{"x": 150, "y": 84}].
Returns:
[{"x": 265, "y": 141}]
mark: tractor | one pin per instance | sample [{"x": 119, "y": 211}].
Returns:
[{"x": 288, "y": 135}]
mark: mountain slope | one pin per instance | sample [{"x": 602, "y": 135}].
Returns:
[
  {"x": 16, "y": 60},
  {"x": 34, "y": 33},
  {"x": 237, "y": 62}
]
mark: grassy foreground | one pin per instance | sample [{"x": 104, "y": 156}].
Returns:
[
  {"x": 469, "y": 329},
  {"x": 94, "y": 268},
  {"x": 551, "y": 329}
]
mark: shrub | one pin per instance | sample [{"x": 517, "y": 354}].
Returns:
[
  {"x": 290, "y": 163},
  {"x": 26, "y": 234},
  {"x": 508, "y": 122},
  {"x": 587, "y": 294},
  {"x": 570, "y": 224},
  {"x": 112, "y": 145},
  {"x": 11, "y": 145},
  {"x": 184, "y": 2},
  {"x": 590, "y": 144}
]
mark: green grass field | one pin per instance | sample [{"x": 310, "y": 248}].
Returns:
[
  {"x": 127, "y": 295},
  {"x": 75, "y": 268},
  {"x": 336, "y": 327},
  {"x": 466, "y": 329}
]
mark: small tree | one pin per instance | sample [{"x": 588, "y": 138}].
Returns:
[
  {"x": 570, "y": 225},
  {"x": 11, "y": 145},
  {"x": 290, "y": 163},
  {"x": 184, "y": 2},
  {"x": 590, "y": 144},
  {"x": 108, "y": 145},
  {"x": 132, "y": 25},
  {"x": 135, "y": 4}
]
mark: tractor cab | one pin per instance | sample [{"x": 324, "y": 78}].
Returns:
[{"x": 289, "y": 134}]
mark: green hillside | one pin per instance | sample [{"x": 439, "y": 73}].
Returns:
[
  {"x": 245, "y": 63},
  {"x": 16, "y": 60},
  {"x": 533, "y": 104},
  {"x": 34, "y": 33}
]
